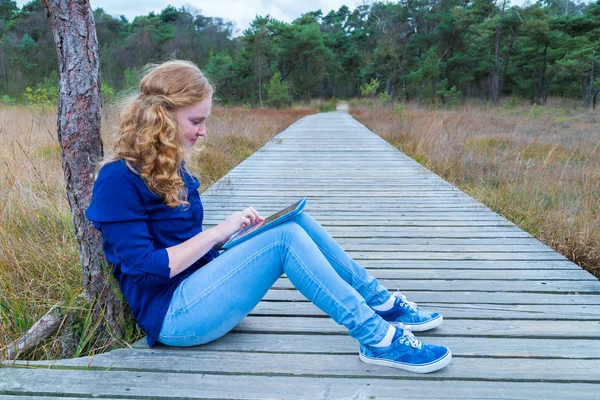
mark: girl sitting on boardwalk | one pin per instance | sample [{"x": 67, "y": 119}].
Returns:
[{"x": 181, "y": 291}]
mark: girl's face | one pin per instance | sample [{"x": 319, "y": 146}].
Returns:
[{"x": 192, "y": 122}]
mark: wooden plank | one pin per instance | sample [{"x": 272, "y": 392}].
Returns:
[
  {"x": 406, "y": 255},
  {"x": 469, "y": 264},
  {"x": 483, "y": 274},
  {"x": 357, "y": 193},
  {"x": 35, "y": 396},
  {"x": 451, "y": 327},
  {"x": 376, "y": 231},
  {"x": 351, "y": 217},
  {"x": 368, "y": 200},
  {"x": 460, "y": 347},
  {"x": 466, "y": 297},
  {"x": 418, "y": 232},
  {"x": 323, "y": 217},
  {"x": 346, "y": 223},
  {"x": 565, "y": 287},
  {"x": 519, "y": 241},
  {"x": 158, "y": 385},
  {"x": 254, "y": 183},
  {"x": 326, "y": 204},
  {"x": 467, "y": 248},
  {"x": 206, "y": 362},
  {"x": 413, "y": 208},
  {"x": 375, "y": 220},
  {"x": 550, "y": 312},
  {"x": 323, "y": 203}
]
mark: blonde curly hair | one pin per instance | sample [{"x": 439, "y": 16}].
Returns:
[{"x": 149, "y": 139}]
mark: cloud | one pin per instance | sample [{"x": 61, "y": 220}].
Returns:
[{"x": 239, "y": 12}]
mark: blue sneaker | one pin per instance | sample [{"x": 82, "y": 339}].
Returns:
[
  {"x": 408, "y": 314},
  {"x": 408, "y": 353}
]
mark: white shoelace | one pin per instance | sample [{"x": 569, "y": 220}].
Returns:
[
  {"x": 409, "y": 304},
  {"x": 407, "y": 335}
]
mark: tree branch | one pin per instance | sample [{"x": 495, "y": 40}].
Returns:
[{"x": 41, "y": 330}]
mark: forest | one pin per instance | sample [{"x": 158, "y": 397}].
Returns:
[{"x": 429, "y": 51}]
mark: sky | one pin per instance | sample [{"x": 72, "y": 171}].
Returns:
[{"x": 239, "y": 12}]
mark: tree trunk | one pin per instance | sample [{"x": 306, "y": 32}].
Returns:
[
  {"x": 547, "y": 89},
  {"x": 541, "y": 78},
  {"x": 587, "y": 100},
  {"x": 259, "y": 83},
  {"x": 495, "y": 75},
  {"x": 506, "y": 62},
  {"x": 389, "y": 87},
  {"x": 79, "y": 114},
  {"x": 534, "y": 81}
]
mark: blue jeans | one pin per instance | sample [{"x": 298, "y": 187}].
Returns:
[{"x": 214, "y": 299}]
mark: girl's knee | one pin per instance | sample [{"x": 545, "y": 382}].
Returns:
[
  {"x": 290, "y": 230},
  {"x": 302, "y": 218}
]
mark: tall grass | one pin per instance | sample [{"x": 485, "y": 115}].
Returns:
[
  {"x": 39, "y": 261},
  {"x": 539, "y": 167}
]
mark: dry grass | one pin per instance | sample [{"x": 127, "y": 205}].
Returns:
[
  {"x": 39, "y": 262},
  {"x": 539, "y": 167}
]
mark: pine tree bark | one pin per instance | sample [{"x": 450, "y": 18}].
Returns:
[
  {"x": 79, "y": 116},
  {"x": 542, "y": 79},
  {"x": 587, "y": 99}
]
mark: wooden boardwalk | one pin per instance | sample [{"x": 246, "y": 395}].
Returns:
[{"x": 521, "y": 320}]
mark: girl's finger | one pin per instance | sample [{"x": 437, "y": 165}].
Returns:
[
  {"x": 256, "y": 214},
  {"x": 246, "y": 221}
]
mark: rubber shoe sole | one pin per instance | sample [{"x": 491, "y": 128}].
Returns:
[
  {"x": 434, "y": 323},
  {"x": 419, "y": 369}
]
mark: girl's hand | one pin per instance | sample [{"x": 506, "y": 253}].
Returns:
[{"x": 235, "y": 222}]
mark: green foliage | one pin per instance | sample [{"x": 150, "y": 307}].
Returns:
[
  {"x": 451, "y": 97},
  {"x": 39, "y": 98},
  {"x": 7, "y": 100},
  {"x": 535, "y": 111},
  {"x": 384, "y": 97},
  {"x": 132, "y": 79},
  {"x": 511, "y": 104},
  {"x": 369, "y": 89},
  {"x": 108, "y": 94},
  {"x": 45, "y": 94},
  {"x": 542, "y": 52},
  {"x": 220, "y": 72},
  {"x": 400, "y": 111},
  {"x": 327, "y": 106},
  {"x": 278, "y": 92}
]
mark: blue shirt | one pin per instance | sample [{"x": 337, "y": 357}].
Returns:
[{"x": 137, "y": 227}]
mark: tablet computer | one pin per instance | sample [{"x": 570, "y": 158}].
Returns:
[{"x": 269, "y": 222}]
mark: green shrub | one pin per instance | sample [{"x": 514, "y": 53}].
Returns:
[
  {"x": 451, "y": 96},
  {"x": 108, "y": 94},
  {"x": 7, "y": 100},
  {"x": 45, "y": 93},
  {"x": 400, "y": 110},
  {"x": 39, "y": 98},
  {"x": 278, "y": 92},
  {"x": 511, "y": 104},
  {"x": 384, "y": 97},
  {"x": 329, "y": 105},
  {"x": 369, "y": 89},
  {"x": 132, "y": 80}
]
